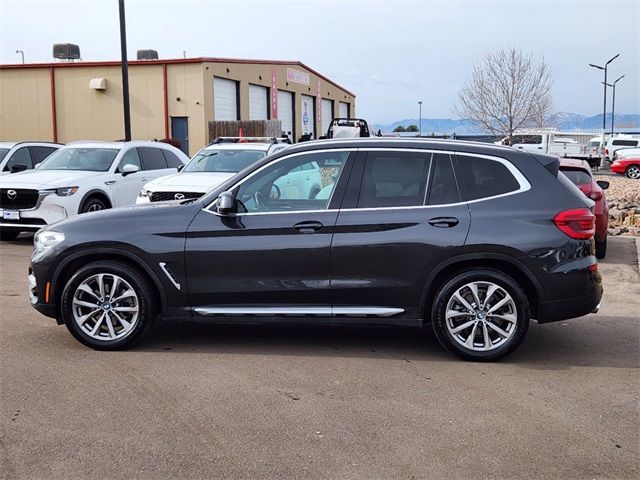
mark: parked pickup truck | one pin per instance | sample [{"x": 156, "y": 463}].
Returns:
[{"x": 554, "y": 144}]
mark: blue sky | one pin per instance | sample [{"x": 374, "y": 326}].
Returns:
[{"x": 389, "y": 53}]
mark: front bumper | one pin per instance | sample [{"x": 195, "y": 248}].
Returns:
[
  {"x": 47, "y": 210},
  {"x": 616, "y": 168}
]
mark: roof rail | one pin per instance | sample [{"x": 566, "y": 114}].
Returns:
[{"x": 245, "y": 140}]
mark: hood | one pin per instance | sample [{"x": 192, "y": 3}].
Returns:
[
  {"x": 201, "y": 182},
  {"x": 38, "y": 179}
]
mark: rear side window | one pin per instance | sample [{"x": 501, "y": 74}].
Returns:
[
  {"x": 172, "y": 159},
  {"x": 152, "y": 159},
  {"x": 394, "y": 179},
  {"x": 482, "y": 178},
  {"x": 40, "y": 153},
  {"x": 577, "y": 176},
  {"x": 625, "y": 143},
  {"x": 442, "y": 186}
]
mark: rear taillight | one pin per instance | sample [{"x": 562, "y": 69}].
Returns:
[
  {"x": 578, "y": 223},
  {"x": 606, "y": 151}
]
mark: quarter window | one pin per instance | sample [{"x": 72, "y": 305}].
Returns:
[
  {"x": 481, "y": 178},
  {"x": 303, "y": 182},
  {"x": 394, "y": 179},
  {"x": 152, "y": 159}
]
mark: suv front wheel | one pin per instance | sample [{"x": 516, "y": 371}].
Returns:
[
  {"x": 108, "y": 305},
  {"x": 480, "y": 315}
]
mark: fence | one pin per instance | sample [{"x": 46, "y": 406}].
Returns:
[{"x": 250, "y": 128}]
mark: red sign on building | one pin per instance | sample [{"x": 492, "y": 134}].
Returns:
[
  {"x": 319, "y": 108},
  {"x": 274, "y": 93}
]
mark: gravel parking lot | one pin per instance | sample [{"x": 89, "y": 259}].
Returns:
[{"x": 203, "y": 401}]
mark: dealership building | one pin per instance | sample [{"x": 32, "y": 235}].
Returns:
[{"x": 177, "y": 98}]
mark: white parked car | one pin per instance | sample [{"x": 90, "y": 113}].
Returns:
[
  {"x": 619, "y": 141},
  {"x": 209, "y": 167},
  {"x": 20, "y": 156},
  {"x": 82, "y": 177}
]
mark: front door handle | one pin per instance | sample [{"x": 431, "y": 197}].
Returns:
[
  {"x": 308, "y": 227},
  {"x": 444, "y": 222}
]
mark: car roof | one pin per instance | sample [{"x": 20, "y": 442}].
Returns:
[
  {"x": 240, "y": 146},
  {"x": 117, "y": 145},
  {"x": 39, "y": 142}
]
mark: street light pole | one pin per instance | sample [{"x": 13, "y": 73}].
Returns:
[
  {"x": 21, "y": 53},
  {"x": 604, "y": 110},
  {"x": 420, "y": 118},
  {"x": 125, "y": 73},
  {"x": 613, "y": 101}
]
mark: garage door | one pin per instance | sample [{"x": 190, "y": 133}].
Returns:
[
  {"x": 308, "y": 115},
  {"x": 344, "y": 110},
  {"x": 258, "y": 102},
  {"x": 327, "y": 114},
  {"x": 225, "y": 99},
  {"x": 285, "y": 113}
]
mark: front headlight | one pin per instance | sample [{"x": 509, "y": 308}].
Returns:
[
  {"x": 144, "y": 193},
  {"x": 61, "y": 192},
  {"x": 47, "y": 239}
]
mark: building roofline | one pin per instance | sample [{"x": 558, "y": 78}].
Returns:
[{"x": 169, "y": 61}]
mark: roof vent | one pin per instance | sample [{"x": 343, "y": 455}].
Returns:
[
  {"x": 66, "y": 51},
  {"x": 147, "y": 55}
]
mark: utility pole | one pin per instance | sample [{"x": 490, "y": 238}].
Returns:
[
  {"x": 420, "y": 117},
  {"x": 125, "y": 73},
  {"x": 21, "y": 53}
]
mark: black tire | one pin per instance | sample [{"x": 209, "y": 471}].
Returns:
[
  {"x": 314, "y": 191},
  {"x": 633, "y": 172},
  {"x": 601, "y": 248},
  {"x": 143, "y": 287},
  {"x": 480, "y": 275},
  {"x": 8, "y": 234},
  {"x": 93, "y": 204}
]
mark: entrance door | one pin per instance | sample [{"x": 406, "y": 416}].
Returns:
[
  {"x": 285, "y": 113},
  {"x": 180, "y": 132},
  {"x": 308, "y": 115},
  {"x": 271, "y": 255}
]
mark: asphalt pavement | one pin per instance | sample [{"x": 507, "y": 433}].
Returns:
[{"x": 205, "y": 401}]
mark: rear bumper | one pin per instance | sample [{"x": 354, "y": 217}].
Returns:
[{"x": 570, "y": 308}]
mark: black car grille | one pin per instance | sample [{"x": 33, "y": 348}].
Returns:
[
  {"x": 163, "y": 196},
  {"x": 18, "y": 198}
]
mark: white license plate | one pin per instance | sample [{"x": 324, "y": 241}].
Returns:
[{"x": 11, "y": 215}]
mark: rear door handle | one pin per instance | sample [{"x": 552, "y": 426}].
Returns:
[
  {"x": 444, "y": 222},
  {"x": 308, "y": 227}
]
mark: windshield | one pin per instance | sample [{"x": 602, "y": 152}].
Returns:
[
  {"x": 89, "y": 159},
  {"x": 3, "y": 153},
  {"x": 593, "y": 143},
  {"x": 222, "y": 160}
]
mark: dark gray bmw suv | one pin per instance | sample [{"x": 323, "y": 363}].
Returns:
[{"x": 473, "y": 239}]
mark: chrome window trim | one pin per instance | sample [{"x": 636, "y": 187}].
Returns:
[
  {"x": 286, "y": 157},
  {"x": 520, "y": 178}
]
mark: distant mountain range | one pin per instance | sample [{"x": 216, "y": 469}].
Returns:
[{"x": 560, "y": 120}]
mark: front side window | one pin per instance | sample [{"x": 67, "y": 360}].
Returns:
[
  {"x": 394, "y": 179},
  {"x": 302, "y": 182},
  {"x": 20, "y": 157},
  {"x": 223, "y": 160},
  {"x": 482, "y": 178},
  {"x": 86, "y": 159},
  {"x": 131, "y": 157}
]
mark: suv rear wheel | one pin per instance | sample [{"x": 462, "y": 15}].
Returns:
[
  {"x": 480, "y": 315},
  {"x": 108, "y": 305}
]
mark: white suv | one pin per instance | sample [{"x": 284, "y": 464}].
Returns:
[
  {"x": 211, "y": 166},
  {"x": 81, "y": 177},
  {"x": 19, "y": 156}
]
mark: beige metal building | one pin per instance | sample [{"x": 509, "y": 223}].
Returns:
[{"x": 67, "y": 101}]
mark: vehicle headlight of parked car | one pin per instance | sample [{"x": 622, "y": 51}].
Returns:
[
  {"x": 144, "y": 195},
  {"x": 46, "y": 239},
  {"x": 61, "y": 192}
]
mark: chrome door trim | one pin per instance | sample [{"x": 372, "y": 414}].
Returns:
[{"x": 316, "y": 311}]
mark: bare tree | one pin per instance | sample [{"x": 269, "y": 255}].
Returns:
[{"x": 507, "y": 91}]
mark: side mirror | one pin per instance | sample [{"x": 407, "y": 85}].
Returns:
[
  {"x": 603, "y": 184},
  {"x": 181, "y": 167},
  {"x": 18, "y": 167},
  {"x": 225, "y": 203},
  {"x": 129, "y": 168}
]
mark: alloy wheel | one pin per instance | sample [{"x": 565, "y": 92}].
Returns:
[
  {"x": 481, "y": 316},
  {"x": 633, "y": 172},
  {"x": 95, "y": 207},
  {"x": 105, "y": 307}
]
